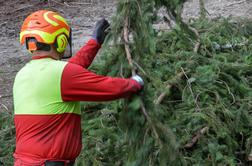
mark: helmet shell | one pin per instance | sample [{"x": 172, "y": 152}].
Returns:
[{"x": 44, "y": 26}]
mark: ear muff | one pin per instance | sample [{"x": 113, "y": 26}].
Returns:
[{"x": 61, "y": 43}]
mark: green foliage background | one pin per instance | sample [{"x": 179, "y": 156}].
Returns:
[
  {"x": 7, "y": 138},
  {"x": 210, "y": 87}
]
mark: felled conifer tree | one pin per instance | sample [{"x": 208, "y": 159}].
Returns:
[
  {"x": 194, "y": 108},
  {"x": 149, "y": 141}
]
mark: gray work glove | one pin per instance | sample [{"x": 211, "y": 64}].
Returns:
[
  {"x": 138, "y": 79},
  {"x": 100, "y": 30}
]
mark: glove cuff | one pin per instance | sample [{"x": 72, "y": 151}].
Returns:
[{"x": 138, "y": 79}]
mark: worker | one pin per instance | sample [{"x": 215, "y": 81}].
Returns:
[{"x": 47, "y": 92}]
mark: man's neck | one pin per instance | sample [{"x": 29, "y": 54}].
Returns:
[{"x": 45, "y": 54}]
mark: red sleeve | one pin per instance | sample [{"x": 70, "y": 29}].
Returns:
[
  {"x": 86, "y": 54},
  {"x": 79, "y": 84}
]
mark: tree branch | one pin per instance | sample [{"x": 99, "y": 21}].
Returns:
[
  {"x": 250, "y": 157},
  {"x": 168, "y": 87},
  {"x": 197, "y": 44},
  {"x": 130, "y": 61},
  {"x": 126, "y": 45},
  {"x": 190, "y": 88},
  {"x": 195, "y": 139},
  {"x": 129, "y": 57}
]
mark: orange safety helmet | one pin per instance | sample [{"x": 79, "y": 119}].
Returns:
[{"x": 44, "y": 28}]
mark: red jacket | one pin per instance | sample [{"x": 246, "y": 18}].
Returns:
[{"x": 57, "y": 136}]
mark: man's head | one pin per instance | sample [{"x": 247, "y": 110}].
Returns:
[
  {"x": 46, "y": 33},
  {"x": 52, "y": 52}
]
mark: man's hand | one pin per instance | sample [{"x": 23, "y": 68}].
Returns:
[
  {"x": 100, "y": 30},
  {"x": 138, "y": 79}
]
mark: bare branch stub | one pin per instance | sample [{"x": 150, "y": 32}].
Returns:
[
  {"x": 250, "y": 157},
  {"x": 195, "y": 139},
  {"x": 167, "y": 88}
]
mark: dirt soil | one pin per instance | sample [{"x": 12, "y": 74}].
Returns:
[{"x": 82, "y": 15}]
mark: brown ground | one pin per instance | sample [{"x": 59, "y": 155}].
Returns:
[{"x": 82, "y": 15}]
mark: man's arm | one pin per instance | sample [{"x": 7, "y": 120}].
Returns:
[
  {"x": 85, "y": 56},
  {"x": 78, "y": 84}
]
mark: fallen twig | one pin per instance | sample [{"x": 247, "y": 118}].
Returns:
[
  {"x": 3, "y": 52},
  {"x": 13, "y": 71},
  {"x": 197, "y": 44},
  {"x": 57, "y": 3},
  {"x": 167, "y": 88},
  {"x": 229, "y": 91},
  {"x": 195, "y": 139},
  {"x": 162, "y": 95},
  {"x": 203, "y": 10},
  {"x": 14, "y": 17},
  {"x": 21, "y": 8},
  {"x": 4, "y": 96},
  {"x": 190, "y": 88},
  {"x": 121, "y": 71},
  {"x": 140, "y": 68},
  {"x": 69, "y": 4},
  {"x": 236, "y": 3},
  {"x": 78, "y": 3},
  {"x": 250, "y": 157},
  {"x": 6, "y": 108},
  {"x": 3, "y": 23},
  {"x": 3, "y": 131}
]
